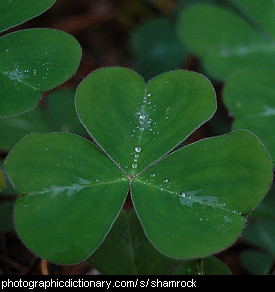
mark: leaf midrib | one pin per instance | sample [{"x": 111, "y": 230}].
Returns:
[
  {"x": 18, "y": 80},
  {"x": 193, "y": 200},
  {"x": 242, "y": 50},
  {"x": 71, "y": 187}
]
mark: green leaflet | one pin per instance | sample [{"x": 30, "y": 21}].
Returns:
[
  {"x": 249, "y": 96},
  {"x": 29, "y": 66},
  {"x": 14, "y": 12},
  {"x": 226, "y": 41}
]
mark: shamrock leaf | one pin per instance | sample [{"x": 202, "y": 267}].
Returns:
[
  {"x": 225, "y": 40},
  {"x": 191, "y": 202},
  {"x": 14, "y": 12},
  {"x": 33, "y": 60},
  {"x": 253, "y": 106}
]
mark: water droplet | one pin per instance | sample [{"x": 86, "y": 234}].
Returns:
[
  {"x": 183, "y": 194},
  {"x": 142, "y": 116},
  {"x": 134, "y": 165},
  {"x": 166, "y": 180},
  {"x": 153, "y": 174},
  {"x": 137, "y": 148}
]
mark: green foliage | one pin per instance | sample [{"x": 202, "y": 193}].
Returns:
[
  {"x": 76, "y": 184},
  {"x": 33, "y": 60},
  {"x": 249, "y": 96},
  {"x": 13, "y": 129},
  {"x": 57, "y": 114},
  {"x": 60, "y": 112},
  {"x": 206, "y": 266},
  {"x": 226, "y": 40},
  {"x": 126, "y": 250},
  {"x": 262, "y": 236},
  {"x": 156, "y": 47},
  {"x": 14, "y": 12}
]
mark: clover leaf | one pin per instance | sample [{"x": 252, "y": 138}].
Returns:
[
  {"x": 33, "y": 60},
  {"x": 14, "y": 12},
  {"x": 191, "y": 202},
  {"x": 227, "y": 39},
  {"x": 250, "y": 97}
]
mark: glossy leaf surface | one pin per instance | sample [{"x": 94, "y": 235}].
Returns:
[
  {"x": 188, "y": 191},
  {"x": 207, "y": 266},
  {"x": 33, "y": 61},
  {"x": 250, "y": 97},
  {"x": 73, "y": 185},
  {"x": 144, "y": 121},
  {"x": 156, "y": 48},
  {"x": 127, "y": 251},
  {"x": 14, "y": 12},
  {"x": 226, "y": 41}
]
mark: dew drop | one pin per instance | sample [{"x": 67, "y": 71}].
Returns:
[
  {"x": 166, "y": 180},
  {"x": 153, "y": 174},
  {"x": 183, "y": 194},
  {"x": 137, "y": 148},
  {"x": 134, "y": 165},
  {"x": 142, "y": 116}
]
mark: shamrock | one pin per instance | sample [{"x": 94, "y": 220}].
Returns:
[{"x": 192, "y": 201}]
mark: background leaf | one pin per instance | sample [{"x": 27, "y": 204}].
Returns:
[
  {"x": 156, "y": 47},
  {"x": 206, "y": 266},
  {"x": 127, "y": 251},
  {"x": 260, "y": 13},
  {"x": 201, "y": 209},
  {"x": 14, "y": 12},
  {"x": 13, "y": 129},
  {"x": 256, "y": 262},
  {"x": 250, "y": 98},
  {"x": 33, "y": 61},
  {"x": 261, "y": 234},
  {"x": 60, "y": 110},
  {"x": 226, "y": 41}
]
